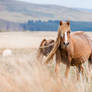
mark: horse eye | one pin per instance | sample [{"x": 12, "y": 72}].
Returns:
[{"x": 69, "y": 32}]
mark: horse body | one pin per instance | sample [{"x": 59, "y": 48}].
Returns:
[
  {"x": 72, "y": 49},
  {"x": 81, "y": 47},
  {"x": 79, "y": 50}
]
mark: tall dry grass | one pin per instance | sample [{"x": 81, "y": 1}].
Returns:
[{"x": 22, "y": 72}]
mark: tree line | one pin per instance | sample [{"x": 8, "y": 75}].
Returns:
[{"x": 52, "y": 25}]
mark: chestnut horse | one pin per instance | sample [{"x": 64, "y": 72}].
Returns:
[
  {"x": 71, "y": 48},
  {"x": 45, "y": 48}
]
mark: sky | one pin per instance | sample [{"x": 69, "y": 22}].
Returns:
[{"x": 69, "y": 3}]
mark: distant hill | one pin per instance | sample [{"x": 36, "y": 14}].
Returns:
[
  {"x": 18, "y": 11},
  {"x": 18, "y": 16},
  {"x": 10, "y": 26},
  {"x": 84, "y": 9}
]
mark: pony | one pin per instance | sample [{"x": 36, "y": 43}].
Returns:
[
  {"x": 45, "y": 48},
  {"x": 71, "y": 48}
]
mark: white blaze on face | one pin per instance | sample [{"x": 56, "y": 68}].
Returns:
[{"x": 65, "y": 37}]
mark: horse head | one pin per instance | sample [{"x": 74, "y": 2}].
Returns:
[{"x": 64, "y": 32}]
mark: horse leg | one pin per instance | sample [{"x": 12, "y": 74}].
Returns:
[
  {"x": 80, "y": 69},
  {"x": 67, "y": 70},
  {"x": 58, "y": 60},
  {"x": 68, "y": 67},
  {"x": 90, "y": 63},
  {"x": 89, "y": 71}
]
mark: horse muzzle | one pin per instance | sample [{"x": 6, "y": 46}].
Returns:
[{"x": 66, "y": 44}]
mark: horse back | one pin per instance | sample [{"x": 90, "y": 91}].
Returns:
[{"x": 77, "y": 33}]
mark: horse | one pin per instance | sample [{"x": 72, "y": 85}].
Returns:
[
  {"x": 45, "y": 48},
  {"x": 71, "y": 48}
]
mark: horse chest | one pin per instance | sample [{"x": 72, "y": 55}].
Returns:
[{"x": 64, "y": 57}]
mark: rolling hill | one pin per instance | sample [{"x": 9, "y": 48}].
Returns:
[
  {"x": 18, "y": 11},
  {"x": 17, "y": 15}
]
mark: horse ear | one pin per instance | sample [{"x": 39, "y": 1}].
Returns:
[
  {"x": 68, "y": 23},
  {"x": 61, "y": 23},
  {"x": 44, "y": 40}
]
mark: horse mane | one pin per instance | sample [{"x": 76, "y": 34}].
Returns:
[{"x": 56, "y": 45}]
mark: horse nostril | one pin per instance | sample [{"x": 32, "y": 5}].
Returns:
[{"x": 66, "y": 43}]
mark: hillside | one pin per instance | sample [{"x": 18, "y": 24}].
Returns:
[
  {"x": 10, "y": 26},
  {"x": 18, "y": 11}
]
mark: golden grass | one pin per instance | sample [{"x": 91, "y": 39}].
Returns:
[{"x": 21, "y": 72}]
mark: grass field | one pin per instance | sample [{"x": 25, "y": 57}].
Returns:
[{"x": 22, "y": 72}]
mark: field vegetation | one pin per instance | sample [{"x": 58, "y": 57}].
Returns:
[{"x": 22, "y": 72}]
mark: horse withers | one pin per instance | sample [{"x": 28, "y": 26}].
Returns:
[{"x": 71, "y": 48}]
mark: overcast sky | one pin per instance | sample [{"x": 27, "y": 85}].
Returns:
[{"x": 68, "y": 3}]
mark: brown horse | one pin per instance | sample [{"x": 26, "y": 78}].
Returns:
[
  {"x": 45, "y": 48},
  {"x": 71, "y": 48}
]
